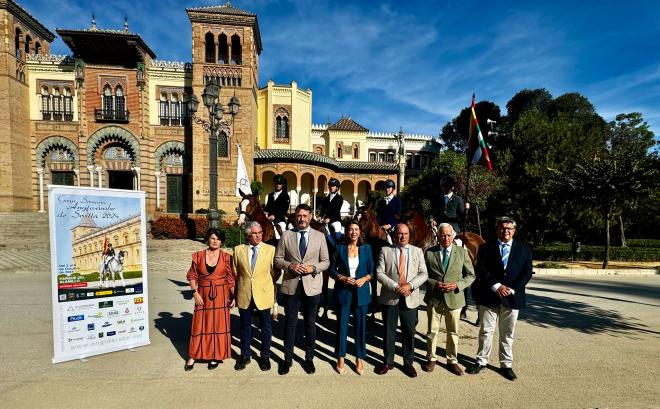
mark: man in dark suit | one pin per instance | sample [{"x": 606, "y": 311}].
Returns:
[
  {"x": 401, "y": 271},
  {"x": 450, "y": 272},
  {"x": 303, "y": 255},
  {"x": 277, "y": 203},
  {"x": 331, "y": 207},
  {"x": 504, "y": 268},
  {"x": 449, "y": 207},
  {"x": 389, "y": 209}
]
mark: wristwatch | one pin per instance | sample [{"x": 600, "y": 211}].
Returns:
[{"x": 314, "y": 271}]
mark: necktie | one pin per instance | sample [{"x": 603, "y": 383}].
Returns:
[
  {"x": 302, "y": 246},
  {"x": 505, "y": 254},
  {"x": 253, "y": 262},
  {"x": 446, "y": 200},
  {"x": 402, "y": 266},
  {"x": 445, "y": 260}
]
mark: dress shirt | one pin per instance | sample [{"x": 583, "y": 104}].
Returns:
[
  {"x": 448, "y": 252},
  {"x": 388, "y": 198},
  {"x": 276, "y": 194},
  {"x": 496, "y": 286},
  {"x": 251, "y": 251}
]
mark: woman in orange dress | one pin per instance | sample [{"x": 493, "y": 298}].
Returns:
[{"x": 212, "y": 284}]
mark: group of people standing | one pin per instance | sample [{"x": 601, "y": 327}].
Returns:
[{"x": 248, "y": 279}]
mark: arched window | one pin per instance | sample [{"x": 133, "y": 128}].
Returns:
[
  {"x": 45, "y": 104},
  {"x": 285, "y": 124},
  {"x": 236, "y": 50},
  {"x": 279, "y": 133},
  {"x": 108, "y": 103},
  {"x": 356, "y": 151},
  {"x": 209, "y": 48},
  {"x": 68, "y": 104},
  {"x": 372, "y": 156},
  {"x": 176, "y": 110},
  {"x": 223, "y": 145},
  {"x": 164, "y": 109},
  {"x": 37, "y": 47},
  {"x": 340, "y": 151},
  {"x": 223, "y": 49},
  {"x": 28, "y": 43},
  {"x": 120, "y": 102},
  {"x": 57, "y": 104}
]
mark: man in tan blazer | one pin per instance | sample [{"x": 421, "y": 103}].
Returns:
[
  {"x": 401, "y": 271},
  {"x": 252, "y": 265},
  {"x": 303, "y": 255},
  {"x": 450, "y": 272}
]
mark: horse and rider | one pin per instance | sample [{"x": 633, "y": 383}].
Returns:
[{"x": 111, "y": 264}]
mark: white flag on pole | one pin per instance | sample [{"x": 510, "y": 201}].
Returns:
[{"x": 242, "y": 178}]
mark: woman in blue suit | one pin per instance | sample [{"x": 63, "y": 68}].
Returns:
[{"x": 353, "y": 267}]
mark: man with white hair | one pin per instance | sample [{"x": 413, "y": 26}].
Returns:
[{"x": 450, "y": 272}]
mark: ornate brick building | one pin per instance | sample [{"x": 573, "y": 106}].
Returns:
[{"x": 112, "y": 115}]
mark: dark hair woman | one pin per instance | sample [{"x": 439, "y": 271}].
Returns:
[
  {"x": 353, "y": 267},
  {"x": 212, "y": 284}
]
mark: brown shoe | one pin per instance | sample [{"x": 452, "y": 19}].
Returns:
[
  {"x": 383, "y": 369},
  {"x": 455, "y": 369},
  {"x": 410, "y": 371},
  {"x": 429, "y": 366}
]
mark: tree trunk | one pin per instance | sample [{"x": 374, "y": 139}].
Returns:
[
  {"x": 623, "y": 235},
  {"x": 606, "y": 260}
]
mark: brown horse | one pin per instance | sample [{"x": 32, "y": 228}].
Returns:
[
  {"x": 368, "y": 221},
  {"x": 471, "y": 242},
  {"x": 251, "y": 209},
  {"x": 421, "y": 234}
]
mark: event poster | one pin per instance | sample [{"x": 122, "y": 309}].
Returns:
[{"x": 99, "y": 270}]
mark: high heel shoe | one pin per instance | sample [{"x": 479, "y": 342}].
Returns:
[
  {"x": 340, "y": 368},
  {"x": 359, "y": 366},
  {"x": 190, "y": 367},
  {"x": 214, "y": 364}
]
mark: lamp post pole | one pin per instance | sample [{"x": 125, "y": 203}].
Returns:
[{"x": 213, "y": 126}]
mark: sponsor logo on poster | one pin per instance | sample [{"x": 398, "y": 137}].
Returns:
[
  {"x": 105, "y": 304},
  {"x": 90, "y": 326},
  {"x": 74, "y": 329},
  {"x": 70, "y": 309},
  {"x": 100, "y": 335},
  {"x": 113, "y": 313},
  {"x": 127, "y": 311},
  {"x": 138, "y": 300},
  {"x": 62, "y": 297},
  {"x": 137, "y": 319},
  {"x": 90, "y": 294},
  {"x": 130, "y": 290},
  {"x": 97, "y": 315},
  {"x": 75, "y": 339},
  {"x": 132, "y": 330},
  {"x": 91, "y": 336},
  {"x": 120, "y": 322},
  {"x": 106, "y": 324},
  {"x": 121, "y": 331},
  {"x": 72, "y": 318},
  {"x": 141, "y": 328},
  {"x": 111, "y": 333},
  {"x": 84, "y": 306},
  {"x": 102, "y": 293}
]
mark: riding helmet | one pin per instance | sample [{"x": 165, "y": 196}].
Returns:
[
  {"x": 334, "y": 182},
  {"x": 279, "y": 179},
  {"x": 390, "y": 183},
  {"x": 448, "y": 180}
]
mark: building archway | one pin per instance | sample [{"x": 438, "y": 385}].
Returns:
[
  {"x": 57, "y": 163},
  {"x": 113, "y": 154},
  {"x": 170, "y": 164}
]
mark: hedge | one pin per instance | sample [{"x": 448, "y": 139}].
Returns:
[
  {"x": 562, "y": 252},
  {"x": 167, "y": 227},
  {"x": 643, "y": 243}
]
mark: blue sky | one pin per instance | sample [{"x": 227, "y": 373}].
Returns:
[{"x": 415, "y": 64}]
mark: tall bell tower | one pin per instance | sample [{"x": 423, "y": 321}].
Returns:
[{"x": 226, "y": 45}]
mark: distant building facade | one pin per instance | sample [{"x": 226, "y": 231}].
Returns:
[{"x": 111, "y": 115}]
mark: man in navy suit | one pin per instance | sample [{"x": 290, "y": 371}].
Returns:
[
  {"x": 503, "y": 270},
  {"x": 331, "y": 208},
  {"x": 389, "y": 208},
  {"x": 277, "y": 203}
]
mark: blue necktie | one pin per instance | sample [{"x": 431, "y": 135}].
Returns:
[
  {"x": 302, "y": 246},
  {"x": 253, "y": 262},
  {"x": 505, "y": 254}
]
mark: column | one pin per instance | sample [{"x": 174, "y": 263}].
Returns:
[
  {"x": 298, "y": 189},
  {"x": 157, "y": 174},
  {"x": 355, "y": 195},
  {"x": 77, "y": 173},
  {"x": 314, "y": 192},
  {"x": 98, "y": 171},
  {"x": 40, "y": 172},
  {"x": 136, "y": 177},
  {"x": 90, "y": 168}
]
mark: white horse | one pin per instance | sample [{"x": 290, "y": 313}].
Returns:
[{"x": 114, "y": 265}]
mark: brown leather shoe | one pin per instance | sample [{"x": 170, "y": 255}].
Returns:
[
  {"x": 383, "y": 369},
  {"x": 410, "y": 371},
  {"x": 428, "y": 366},
  {"x": 455, "y": 369}
]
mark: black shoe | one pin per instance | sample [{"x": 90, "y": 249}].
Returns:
[
  {"x": 188, "y": 368},
  {"x": 464, "y": 314},
  {"x": 508, "y": 374},
  {"x": 214, "y": 364},
  {"x": 309, "y": 368},
  {"x": 241, "y": 363},
  {"x": 383, "y": 369},
  {"x": 264, "y": 364},
  {"x": 284, "y": 368},
  {"x": 475, "y": 369},
  {"x": 410, "y": 371}
]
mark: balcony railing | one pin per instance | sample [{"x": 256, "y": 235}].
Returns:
[
  {"x": 110, "y": 115},
  {"x": 56, "y": 116}
]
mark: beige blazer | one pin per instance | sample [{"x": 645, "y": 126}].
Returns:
[
  {"x": 257, "y": 284},
  {"x": 317, "y": 255},
  {"x": 459, "y": 271},
  {"x": 387, "y": 274}
]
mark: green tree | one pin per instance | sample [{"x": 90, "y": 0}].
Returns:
[{"x": 455, "y": 132}]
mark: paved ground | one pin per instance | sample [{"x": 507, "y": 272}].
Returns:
[{"x": 584, "y": 342}]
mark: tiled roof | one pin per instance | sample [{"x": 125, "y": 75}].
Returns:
[
  {"x": 226, "y": 8},
  {"x": 347, "y": 124},
  {"x": 287, "y": 155},
  {"x": 65, "y": 32}
]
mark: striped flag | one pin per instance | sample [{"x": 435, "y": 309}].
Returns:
[{"x": 477, "y": 152}]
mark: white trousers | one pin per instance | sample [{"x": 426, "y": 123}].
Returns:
[{"x": 507, "y": 323}]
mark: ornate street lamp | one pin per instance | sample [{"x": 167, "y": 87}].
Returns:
[{"x": 214, "y": 125}]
